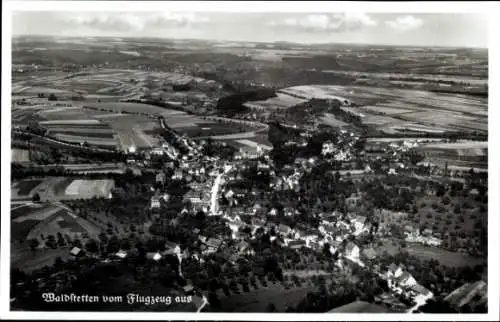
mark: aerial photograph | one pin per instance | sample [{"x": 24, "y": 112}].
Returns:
[{"x": 249, "y": 162}]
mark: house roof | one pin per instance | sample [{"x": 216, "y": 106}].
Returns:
[
  {"x": 121, "y": 254},
  {"x": 297, "y": 243},
  {"x": 369, "y": 253},
  {"x": 75, "y": 251},
  {"x": 392, "y": 268},
  {"x": 405, "y": 276},
  {"x": 284, "y": 228},
  {"x": 214, "y": 242},
  {"x": 154, "y": 256},
  {"x": 420, "y": 289},
  {"x": 351, "y": 246},
  {"x": 188, "y": 288}
]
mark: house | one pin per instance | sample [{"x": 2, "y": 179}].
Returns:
[
  {"x": 394, "y": 271},
  {"x": 121, "y": 254},
  {"x": 427, "y": 232},
  {"x": 284, "y": 229},
  {"x": 273, "y": 212},
  {"x": 161, "y": 177},
  {"x": 369, "y": 254},
  {"x": 406, "y": 280},
  {"x": 213, "y": 243},
  {"x": 153, "y": 256},
  {"x": 234, "y": 226},
  {"x": 171, "y": 248},
  {"x": 297, "y": 244},
  {"x": 358, "y": 222},
  {"x": 177, "y": 174},
  {"x": 474, "y": 192},
  {"x": 76, "y": 252},
  {"x": 353, "y": 201},
  {"x": 155, "y": 202},
  {"x": 418, "y": 289},
  {"x": 258, "y": 222},
  {"x": 352, "y": 250},
  {"x": 188, "y": 288}
]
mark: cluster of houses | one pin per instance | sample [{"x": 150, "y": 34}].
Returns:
[
  {"x": 402, "y": 282},
  {"x": 413, "y": 235}
]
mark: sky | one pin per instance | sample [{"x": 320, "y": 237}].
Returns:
[{"x": 400, "y": 29}]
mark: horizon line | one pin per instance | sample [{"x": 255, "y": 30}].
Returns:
[{"x": 257, "y": 42}]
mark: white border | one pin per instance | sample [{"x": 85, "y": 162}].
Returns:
[
  {"x": 257, "y": 6},
  {"x": 492, "y": 8}
]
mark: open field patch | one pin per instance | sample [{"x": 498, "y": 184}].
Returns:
[
  {"x": 253, "y": 144},
  {"x": 62, "y": 188},
  {"x": 34, "y": 90},
  {"x": 37, "y": 214},
  {"x": 99, "y": 140},
  {"x": 25, "y": 187},
  {"x": 20, "y": 155},
  {"x": 34, "y": 260},
  {"x": 473, "y": 148},
  {"x": 70, "y": 122},
  {"x": 89, "y": 188},
  {"x": 258, "y": 300},
  {"x": 428, "y": 109},
  {"x": 447, "y": 258},
  {"x": 17, "y": 211},
  {"x": 73, "y": 135},
  {"x": 280, "y": 101},
  {"x": 330, "y": 120}
]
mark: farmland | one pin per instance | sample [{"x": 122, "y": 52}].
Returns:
[
  {"x": 60, "y": 188},
  {"x": 396, "y": 111},
  {"x": 280, "y": 101},
  {"x": 20, "y": 155},
  {"x": 447, "y": 258},
  {"x": 37, "y": 220},
  {"x": 258, "y": 300}
]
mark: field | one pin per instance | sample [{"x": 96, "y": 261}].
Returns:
[
  {"x": 473, "y": 148},
  {"x": 395, "y": 111},
  {"x": 19, "y": 155},
  {"x": 258, "y": 300},
  {"x": 60, "y": 188},
  {"x": 30, "y": 261},
  {"x": 359, "y": 307},
  {"x": 460, "y": 155},
  {"x": 280, "y": 101},
  {"x": 307, "y": 92},
  {"x": 89, "y": 188},
  {"x": 447, "y": 258},
  {"x": 30, "y": 221},
  {"x": 24, "y": 187},
  {"x": 330, "y": 120}
]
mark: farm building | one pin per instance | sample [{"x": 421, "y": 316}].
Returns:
[{"x": 76, "y": 252}]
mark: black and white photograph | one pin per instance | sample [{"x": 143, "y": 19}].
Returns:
[{"x": 189, "y": 159}]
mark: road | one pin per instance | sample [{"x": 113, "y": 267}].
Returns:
[
  {"x": 214, "y": 205},
  {"x": 203, "y": 304}
]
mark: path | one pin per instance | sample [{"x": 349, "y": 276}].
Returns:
[{"x": 203, "y": 304}]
